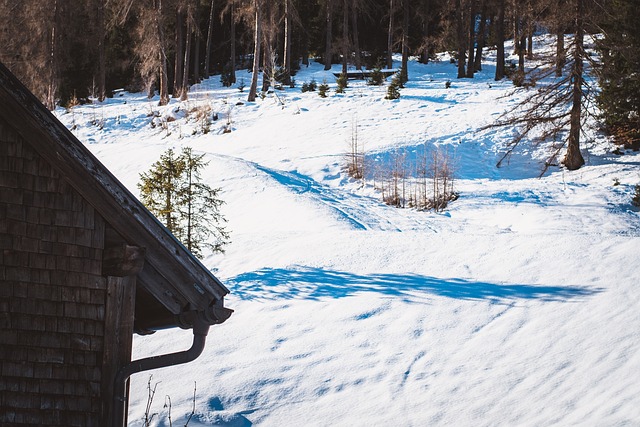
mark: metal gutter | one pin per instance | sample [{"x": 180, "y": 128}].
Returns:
[{"x": 200, "y": 322}]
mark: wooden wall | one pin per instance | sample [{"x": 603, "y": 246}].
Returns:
[{"x": 52, "y": 294}]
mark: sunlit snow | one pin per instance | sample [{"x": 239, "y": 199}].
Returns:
[{"x": 519, "y": 305}]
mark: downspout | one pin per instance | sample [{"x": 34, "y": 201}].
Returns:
[{"x": 200, "y": 330}]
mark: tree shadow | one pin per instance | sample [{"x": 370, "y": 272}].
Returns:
[{"x": 311, "y": 283}]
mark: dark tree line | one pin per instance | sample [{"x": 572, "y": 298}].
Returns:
[
  {"x": 92, "y": 47},
  {"x": 64, "y": 49}
]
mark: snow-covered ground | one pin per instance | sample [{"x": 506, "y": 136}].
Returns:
[{"x": 519, "y": 305}]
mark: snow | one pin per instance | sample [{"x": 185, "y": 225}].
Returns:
[{"x": 516, "y": 306}]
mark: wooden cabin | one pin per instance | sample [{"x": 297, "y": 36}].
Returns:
[{"x": 83, "y": 265}]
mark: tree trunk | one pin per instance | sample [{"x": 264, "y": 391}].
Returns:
[
  {"x": 345, "y": 35},
  {"x": 560, "y": 52},
  {"x": 52, "y": 63},
  {"x": 287, "y": 42},
  {"x": 355, "y": 36},
  {"x": 196, "y": 47},
  {"x": 257, "y": 39},
  {"x": 530, "y": 27},
  {"x": 269, "y": 58},
  {"x": 207, "y": 55},
  {"x": 187, "y": 58},
  {"x": 404, "y": 73},
  {"x": 477, "y": 66},
  {"x": 232, "y": 59},
  {"x": 390, "y": 35},
  {"x": 327, "y": 46},
  {"x": 164, "y": 82},
  {"x": 500, "y": 41},
  {"x": 472, "y": 37},
  {"x": 425, "y": 53},
  {"x": 573, "y": 158},
  {"x": 179, "y": 53},
  {"x": 520, "y": 40},
  {"x": 102, "y": 56},
  {"x": 267, "y": 70},
  {"x": 460, "y": 37}
]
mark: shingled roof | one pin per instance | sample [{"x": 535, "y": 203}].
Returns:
[{"x": 172, "y": 282}]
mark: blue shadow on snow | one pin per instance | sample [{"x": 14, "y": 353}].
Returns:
[{"x": 317, "y": 283}]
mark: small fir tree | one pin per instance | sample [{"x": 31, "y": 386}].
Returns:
[
  {"x": 159, "y": 188},
  {"x": 376, "y": 77},
  {"x": 393, "y": 91},
  {"x": 199, "y": 208},
  {"x": 323, "y": 89},
  {"x": 342, "y": 83},
  {"x": 309, "y": 86},
  {"x": 174, "y": 192}
]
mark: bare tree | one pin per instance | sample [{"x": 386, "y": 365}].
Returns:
[{"x": 555, "y": 107}]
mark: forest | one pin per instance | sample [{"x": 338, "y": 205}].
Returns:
[{"x": 63, "y": 49}]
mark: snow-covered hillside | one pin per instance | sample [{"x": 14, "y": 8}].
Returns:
[{"x": 519, "y": 305}]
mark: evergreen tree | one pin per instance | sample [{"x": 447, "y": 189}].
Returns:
[
  {"x": 323, "y": 89},
  {"x": 376, "y": 78},
  {"x": 619, "y": 98},
  {"x": 199, "y": 208},
  {"x": 342, "y": 82},
  {"x": 160, "y": 187},
  {"x": 173, "y": 191},
  {"x": 393, "y": 91}
]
